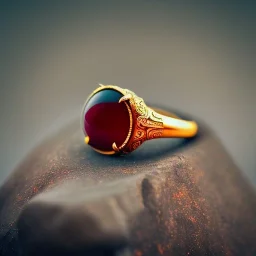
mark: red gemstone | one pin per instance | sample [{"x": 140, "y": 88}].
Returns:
[{"x": 105, "y": 120}]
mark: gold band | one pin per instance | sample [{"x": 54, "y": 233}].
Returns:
[{"x": 174, "y": 127}]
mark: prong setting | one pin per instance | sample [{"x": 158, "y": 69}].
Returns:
[
  {"x": 126, "y": 97},
  {"x": 115, "y": 148},
  {"x": 87, "y": 139}
]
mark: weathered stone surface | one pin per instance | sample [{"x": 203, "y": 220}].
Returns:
[{"x": 169, "y": 197}]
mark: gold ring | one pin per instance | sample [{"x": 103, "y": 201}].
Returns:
[{"x": 117, "y": 121}]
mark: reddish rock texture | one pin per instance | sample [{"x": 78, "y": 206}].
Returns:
[{"x": 170, "y": 197}]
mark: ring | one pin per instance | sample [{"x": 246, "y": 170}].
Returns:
[{"x": 117, "y": 121}]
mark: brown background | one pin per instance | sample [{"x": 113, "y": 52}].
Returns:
[{"x": 193, "y": 57}]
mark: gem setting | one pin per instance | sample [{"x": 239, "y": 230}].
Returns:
[{"x": 106, "y": 121}]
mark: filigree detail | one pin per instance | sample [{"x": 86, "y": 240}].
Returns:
[
  {"x": 148, "y": 124},
  {"x": 154, "y": 133},
  {"x": 156, "y": 116}
]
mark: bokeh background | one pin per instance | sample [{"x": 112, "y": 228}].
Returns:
[{"x": 198, "y": 58}]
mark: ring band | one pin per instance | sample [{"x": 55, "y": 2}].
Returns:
[{"x": 117, "y": 121}]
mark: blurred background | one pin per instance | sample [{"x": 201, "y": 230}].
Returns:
[{"x": 197, "y": 58}]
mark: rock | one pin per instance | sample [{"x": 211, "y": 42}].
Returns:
[{"x": 169, "y": 197}]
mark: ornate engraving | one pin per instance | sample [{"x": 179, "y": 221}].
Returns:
[
  {"x": 148, "y": 124},
  {"x": 154, "y": 133}
]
